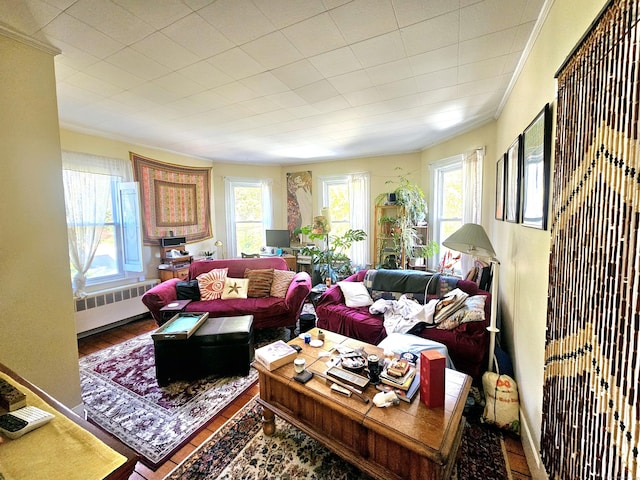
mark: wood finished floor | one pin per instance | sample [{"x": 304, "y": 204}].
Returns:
[{"x": 99, "y": 341}]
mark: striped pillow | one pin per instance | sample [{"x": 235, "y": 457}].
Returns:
[
  {"x": 211, "y": 283},
  {"x": 281, "y": 281},
  {"x": 259, "y": 282}
]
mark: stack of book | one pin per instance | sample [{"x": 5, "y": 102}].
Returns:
[
  {"x": 402, "y": 377},
  {"x": 275, "y": 354},
  {"x": 10, "y": 397}
]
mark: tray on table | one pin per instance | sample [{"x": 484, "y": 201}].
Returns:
[{"x": 181, "y": 326}]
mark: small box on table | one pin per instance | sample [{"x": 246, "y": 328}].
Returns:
[{"x": 432, "y": 365}]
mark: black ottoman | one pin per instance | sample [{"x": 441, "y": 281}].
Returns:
[
  {"x": 221, "y": 346},
  {"x": 307, "y": 322}
]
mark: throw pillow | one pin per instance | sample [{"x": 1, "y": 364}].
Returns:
[
  {"x": 449, "y": 304},
  {"x": 212, "y": 283},
  {"x": 471, "y": 311},
  {"x": 188, "y": 290},
  {"x": 281, "y": 281},
  {"x": 259, "y": 282},
  {"x": 355, "y": 294},
  {"x": 235, "y": 288}
]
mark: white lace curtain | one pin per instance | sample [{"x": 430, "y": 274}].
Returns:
[
  {"x": 472, "y": 194},
  {"x": 87, "y": 188},
  {"x": 360, "y": 212}
]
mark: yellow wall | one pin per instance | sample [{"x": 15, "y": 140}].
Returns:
[{"x": 37, "y": 325}]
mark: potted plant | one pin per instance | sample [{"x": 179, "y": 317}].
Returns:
[
  {"x": 387, "y": 224},
  {"x": 412, "y": 198},
  {"x": 331, "y": 261}
]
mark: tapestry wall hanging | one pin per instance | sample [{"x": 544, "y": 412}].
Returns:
[
  {"x": 174, "y": 200},
  {"x": 299, "y": 202},
  {"x": 591, "y": 393}
]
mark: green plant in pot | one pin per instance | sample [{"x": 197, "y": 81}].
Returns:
[
  {"x": 412, "y": 198},
  {"x": 332, "y": 261}
]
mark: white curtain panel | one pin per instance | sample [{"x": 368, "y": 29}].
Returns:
[
  {"x": 472, "y": 194},
  {"x": 360, "y": 212}
]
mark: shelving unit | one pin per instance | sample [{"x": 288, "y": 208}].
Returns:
[
  {"x": 174, "y": 267},
  {"x": 415, "y": 261},
  {"x": 387, "y": 246}
]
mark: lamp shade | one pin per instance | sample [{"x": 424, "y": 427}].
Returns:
[{"x": 472, "y": 240}]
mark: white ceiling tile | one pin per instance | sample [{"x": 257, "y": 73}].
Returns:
[
  {"x": 532, "y": 10},
  {"x": 74, "y": 57},
  {"x": 303, "y": 111},
  {"x": 487, "y": 46},
  {"x": 236, "y": 63},
  {"x": 260, "y": 105},
  {"x": 264, "y": 84},
  {"x": 439, "y": 95},
  {"x": 483, "y": 69},
  {"x": 227, "y": 15},
  {"x": 381, "y": 49},
  {"x": 440, "y": 59},
  {"x": 390, "y": 72},
  {"x": 272, "y": 50},
  {"x": 367, "y": 96},
  {"x": 305, "y": 35},
  {"x": 158, "y": 13},
  {"x": 116, "y": 75},
  {"x": 332, "y": 104},
  {"x": 437, "y": 80},
  {"x": 317, "y": 92},
  {"x": 74, "y": 32},
  {"x": 197, "y": 36},
  {"x": 352, "y": 81},
  {"x": 111, "y": 19},
  {"x": 362, "y": 19},
  {"x": 489, "y": 16},
  {"x": 165, "y": 51},
  {"x": 431, "y": 34},
  {"x": 179, "y": 84},
  {"x": 409, "y": 12},
  {"x": 297, "y": 74},
  {"x": 155, "y": 93},
  {"x": 137, "y": 63},
  {"x": 336, "y": 62},
  {"x": 27, "y": 18},
  {"x": 287, "y": 99},
  {"x": 236, "y": 92},
  {"x": 283, "y": 13},
  {"x": 523, "y": 32},
  {"x": 400, "y": 88},
  {"x": 205, "y": 74}
]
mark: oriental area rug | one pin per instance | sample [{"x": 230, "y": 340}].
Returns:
[
  {"x": 121, "y": 395},
  {"x": 239, "y": 449}
]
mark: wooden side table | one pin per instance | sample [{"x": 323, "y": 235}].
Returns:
[{"x": 172, "y": 309}]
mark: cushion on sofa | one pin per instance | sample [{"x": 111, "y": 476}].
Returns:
[
  {"x": 235, "y": 288},
  {"x": 281, "y": 281},
  {"x": 355, "y": 294},
  {"x": 259, "y": 282},
  {"x": 211, "y": 284},
  {"x": 471, "y": 311}
]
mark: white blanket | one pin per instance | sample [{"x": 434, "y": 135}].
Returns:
[{"x": 403, "y": 314}]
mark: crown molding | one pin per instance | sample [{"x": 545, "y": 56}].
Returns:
[{"x": 30, "y": 41}]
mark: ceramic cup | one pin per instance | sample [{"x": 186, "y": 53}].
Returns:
[{"x": 299, "y": 364}]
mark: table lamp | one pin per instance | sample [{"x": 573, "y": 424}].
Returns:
[{"x": 473, "y": 240}]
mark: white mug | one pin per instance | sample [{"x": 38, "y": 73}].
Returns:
[{"x": 299, "y": 364}]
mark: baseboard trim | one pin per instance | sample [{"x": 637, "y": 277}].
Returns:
[{"x": 531, "y": 451}]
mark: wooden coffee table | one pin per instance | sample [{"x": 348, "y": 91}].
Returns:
[{"x": 407, "y": 441}]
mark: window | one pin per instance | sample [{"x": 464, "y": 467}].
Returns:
[
  {"x": 347, "y": 198},
  {"x": 103, "y": 219},
  {"x": 456, "y": 197},
  {"x": 248, "y": 203}
]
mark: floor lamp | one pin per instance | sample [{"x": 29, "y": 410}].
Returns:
[{"x": 473, "y": 240}]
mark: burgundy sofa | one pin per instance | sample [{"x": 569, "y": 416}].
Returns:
[
  {"x": 467, "y": 344},
  {"x": 267, "y": 311}
]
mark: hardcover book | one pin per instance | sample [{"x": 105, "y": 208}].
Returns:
[
  {"x": 10, "y": 397},
  {"x": 403, "y": 382},
  {"x": 275, "y": 354}
]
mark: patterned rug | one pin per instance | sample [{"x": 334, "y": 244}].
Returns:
[
  {"x": 122, "y": 396},
  {"x": 239, "y": 449}
]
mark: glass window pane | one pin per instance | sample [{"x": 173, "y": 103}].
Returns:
[
  {"x": 249, "y": 237},
  {"x": 338, "y": 201},
  {"x": 452, "y": 194},
  {"x": 248, "y": 203},
  {"x": 105, "y": 261}
]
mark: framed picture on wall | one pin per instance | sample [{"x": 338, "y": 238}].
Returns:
[
  {"x": 500, "y": 188},
  {"x": 512, "y": 181},
  {"x": 536, "y": 151}
]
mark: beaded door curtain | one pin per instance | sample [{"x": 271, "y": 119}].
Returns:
[{"x": 590, "y": 424}]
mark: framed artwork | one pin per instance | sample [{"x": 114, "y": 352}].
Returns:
[
  {"x": 500, "y": 188},
  {"x": 512, "y": 181},
  {"x": 536, "y": 151}
]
